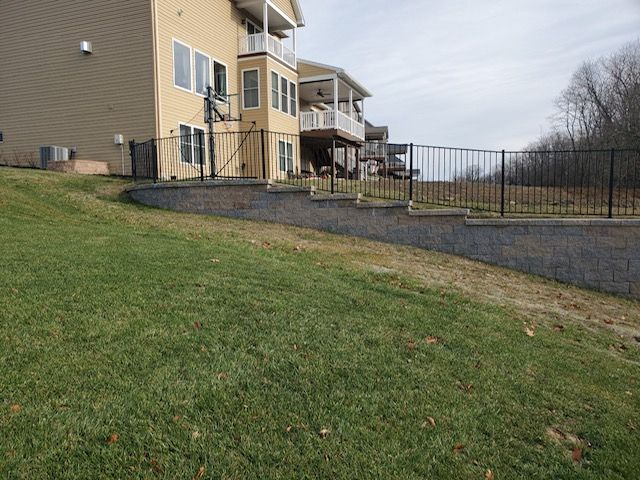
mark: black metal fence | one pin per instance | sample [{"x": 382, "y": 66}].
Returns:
[{"x": 586, "y": 182}]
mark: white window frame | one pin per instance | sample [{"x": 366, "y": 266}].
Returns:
[
  {"x": 195, "y": 71},
  {"x": 293, "y": 99},
  {"x": 276, "y": 89},
  {"x": 279, "y": 89},
  {"x": 255, "y": 26},
  {"x": 282, "y": 94},
  {"x": 226, "y": 79},
  {"x": 286, "y": 157},
  {"x": 173, "y": 60},
  {"x": 193, "y": 146},
  {"x": 244, "y": 107}
]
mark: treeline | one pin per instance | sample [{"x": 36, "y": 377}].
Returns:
[
  {"x": 600, "y": 108},
  {"x": 597, "y": 112}
]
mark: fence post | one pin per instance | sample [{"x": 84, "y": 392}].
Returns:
[
  {"x": 611, "y": 170},
  {"x": 264, "y": 157},
  {"x": 154, "y": 160},
  {"x": 333, "y": 166},
  {"x": 132, "y": 154},
  {"x": 201, "y": 155},
  {"x": 502, "y": 189},
  {"x": 411, "y": 172}
]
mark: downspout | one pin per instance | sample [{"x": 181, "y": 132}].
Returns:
[{"x": 156, "y": 69}]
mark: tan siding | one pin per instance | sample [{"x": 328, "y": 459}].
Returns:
[
  {"x": 209, "y": 26},
  {"x": 51, "y": 94},
  {"x": 305, "y": 70},
  {"x": 287, "y": 7}
]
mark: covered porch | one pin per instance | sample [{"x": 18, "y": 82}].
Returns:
[
  {"x": 273, "y": 32},
  {"x": 331, "y": 103}
]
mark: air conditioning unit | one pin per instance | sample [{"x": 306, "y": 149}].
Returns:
[{"x": 53, "y": 154}]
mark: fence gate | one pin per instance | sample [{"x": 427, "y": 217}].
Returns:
[{"x": 144, "y": 160}]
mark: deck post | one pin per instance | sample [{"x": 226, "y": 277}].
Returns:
[{"x": 333, "y": 165}]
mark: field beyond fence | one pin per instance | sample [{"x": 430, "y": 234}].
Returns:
[{"x": 571, "y": 183}]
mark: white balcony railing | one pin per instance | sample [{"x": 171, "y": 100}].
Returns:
[
  {"x": 327, "y": 120},
  {"x": 264, "y": 43}
]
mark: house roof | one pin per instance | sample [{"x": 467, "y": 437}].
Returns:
[
  {"x": 299, "y": 14},
  {"x": 285, "y": 23},
  {"x": 376, "y": 133},
  {"x": 342, "y": 74}
]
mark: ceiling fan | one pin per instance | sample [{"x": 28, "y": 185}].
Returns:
[{"x": 320, "y": 93}]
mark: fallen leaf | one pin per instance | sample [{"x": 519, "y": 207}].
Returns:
[
  {"x": 465, "y": 387},
  {"x": 458, "y": 448},
  {"x": 266, "y": 245},
  {"x": 608, "y": 321},
  {"x": 558, "y": 328},
  {"x": 113, "y": 439},
  {"x": 431, "y": 340},
  {"x": 177, "y": 418},
  {"x": 288, "y": 429},
  {"x": 200, "y": 473},
  {"x": 195, "y": 434},
  {"x": 11, "y": 453},
  {"x": 489, "y": 475},
  {"x": 14, "y": 290},
  {"x": 324, "y": 433},
  {"x": 155, "y": 466},
  {"x": 411, "y": 345},
  {"x": 576, "y": 454},
  {"x": 222, "y": 376},
  {"x": 297, "y": 248},
  {"x": 197, "y": 325},
  {"x": 530, "y": 331},
  {"x": 215, "y": 260},
  {"x": 430, "y": 421},
  {"x": 15, "y": 408}
]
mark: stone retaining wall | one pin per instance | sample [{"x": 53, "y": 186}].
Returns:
[{"x": 594, "y": 253}]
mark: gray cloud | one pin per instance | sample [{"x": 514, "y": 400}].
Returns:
[{"x": 465, "y": 72}]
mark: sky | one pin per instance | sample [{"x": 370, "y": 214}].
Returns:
[{"x": 464, "y": 73}]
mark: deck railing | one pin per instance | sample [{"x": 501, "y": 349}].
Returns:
[
  {"x": 326, "y": 120},
  {"x": 265, "y": 43}
]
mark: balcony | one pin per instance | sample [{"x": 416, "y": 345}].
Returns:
[
  {"x": 266, "y": 43},
  {"x": 328, "y": 120}
]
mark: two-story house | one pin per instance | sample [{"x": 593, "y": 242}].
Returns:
[{"x": 90, "y": 75}]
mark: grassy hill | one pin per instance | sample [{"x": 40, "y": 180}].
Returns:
[{"x": 139, "y": 343}]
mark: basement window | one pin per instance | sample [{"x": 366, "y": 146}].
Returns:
[
  {"x": 192, "y": 145},
  {"x": 285, "y": 155}
]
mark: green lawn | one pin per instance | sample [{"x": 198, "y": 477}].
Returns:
[{"x": 138, "y": 343}]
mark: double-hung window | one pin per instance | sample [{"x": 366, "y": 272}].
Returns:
[
  {"x": 284, "y": 95},
  {"x": 192, "y": 144},
  {"x": 285, "y": 155},
  {"x": 251, "y": 89},
  {"x": 220, "y": 78},
  {"x": 293, "y": 98},
  {"x": 275, "y": 90},
  {"x": 203, "y": 73},
  {"x": 181, "y": 65}
]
